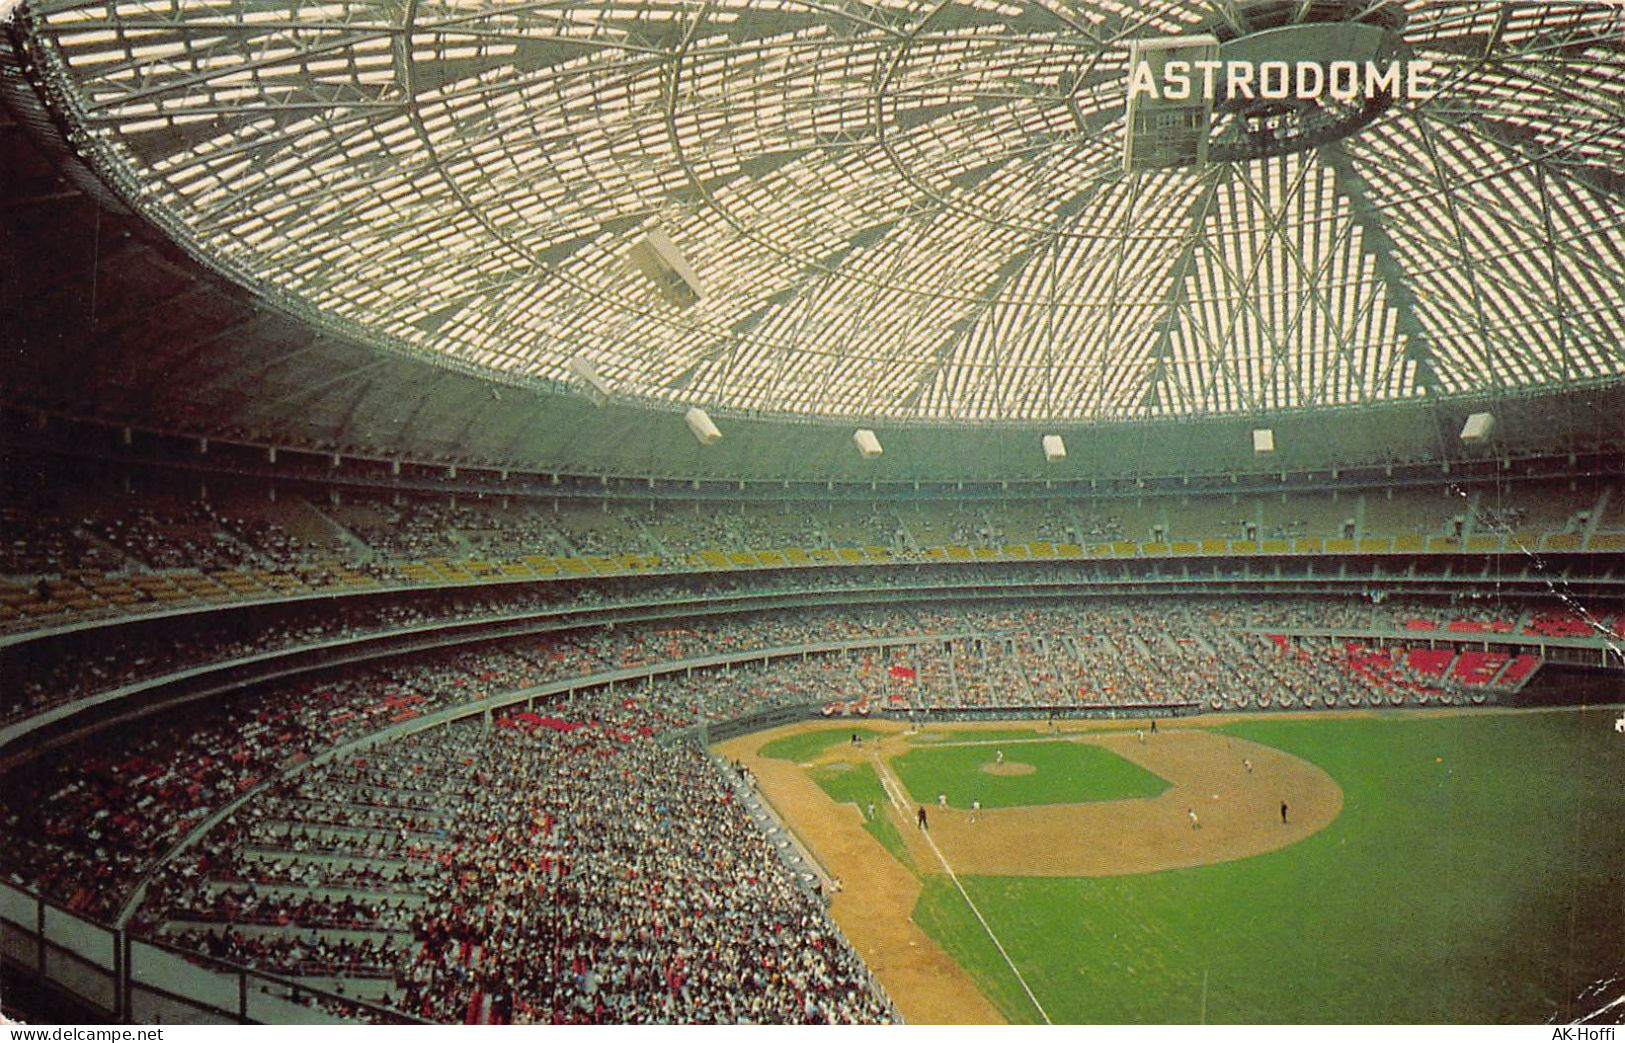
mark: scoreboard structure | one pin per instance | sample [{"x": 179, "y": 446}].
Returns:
[{"x": 1169, "y": 128}]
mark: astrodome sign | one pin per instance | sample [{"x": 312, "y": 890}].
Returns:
[
  {"x": 1192, "y": 99},
  {"x": 1211, "y": 79}
]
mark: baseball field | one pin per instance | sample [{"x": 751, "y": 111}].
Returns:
[{"x": 1378, "y": 868}]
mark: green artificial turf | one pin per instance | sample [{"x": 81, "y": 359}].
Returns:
[
  {"x": 1067, "y": 773},
  {"x": 943, "y": 915},
  {"x": 807, "y": 745},
  {"x": 1485, "y": 886},
  {"x": 858, "y": 784}
]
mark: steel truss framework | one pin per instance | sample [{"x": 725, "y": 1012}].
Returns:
[{"x": 897, "y": 209}]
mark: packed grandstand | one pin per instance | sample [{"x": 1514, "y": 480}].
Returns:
[
  {"x": 458, "y": 871},
  {"x": 371, "y": 593}
]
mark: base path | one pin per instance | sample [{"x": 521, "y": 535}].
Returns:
[
  {"x": 1238, "y": 814},
  {"x": 876, "y": 902}
]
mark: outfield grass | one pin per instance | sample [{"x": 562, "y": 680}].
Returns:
[
  {"x": 1485, "y": 886},
  {"x": 1067, "y": 773},
  {"x": 807, "y": 745},
  {"x": 858, "y": 784},
  {"x": 943, "y": 915}
]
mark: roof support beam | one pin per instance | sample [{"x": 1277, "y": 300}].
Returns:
[
  {"x": 1374, "y": 236},
  {"x": 1174, "y": 302}
]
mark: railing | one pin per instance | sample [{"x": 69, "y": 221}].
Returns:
[
  {"x": 140, "y": 981},
  {"x": 801, "y": 861}
]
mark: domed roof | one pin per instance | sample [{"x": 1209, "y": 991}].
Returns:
[{"x": 894, "y": 209}]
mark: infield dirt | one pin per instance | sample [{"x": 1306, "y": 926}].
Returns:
[{"x": 1239, "y": 812}]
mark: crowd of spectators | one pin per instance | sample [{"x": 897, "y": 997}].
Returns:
[
  {"x": 95, "y": 663},
  {"x": 59, "y": 562},
  {"x": 1089, "y": 527},
  {"x": 413, "y": 528},
  {"x": 689, "y": 532},
  {"x": 88, "y": 664},
  {"x": 41, "y": 538},
  {"x": 601, "y": 532},
  {"x": 514, "y": 533},
  {"x": 966, "y": 528},
  {"x": 86, "y": 821},
  {"x": 1202, "y": 653},
  {"x": 159, "y": 532},
  {"x": 576, "y": 871},
  {"x": 42, "y": 681},
  {"x": 159, "y": 779},
  {"x": 1500, "y": 520}
]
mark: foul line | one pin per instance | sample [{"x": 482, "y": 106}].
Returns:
[{"x": 892, "y": 788}]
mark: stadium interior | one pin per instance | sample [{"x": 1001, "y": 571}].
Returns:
[{"x": 370, "y": 592}]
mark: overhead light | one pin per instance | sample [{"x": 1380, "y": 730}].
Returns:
[
  {"x": 1054, "y": 448},
  {"x": 658, "y": 258},
  {"x": 1263, "y": 441},
  {"x": 597, "y": 388},
  {"x": 701, "y": 427},
  {"x": 1478, "y": 427},
  {"x": 868, "y": 445}
]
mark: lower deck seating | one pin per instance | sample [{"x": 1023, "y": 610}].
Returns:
[{"x": 572, "y": 871}]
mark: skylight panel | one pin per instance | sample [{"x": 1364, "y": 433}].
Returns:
[{"x": 1047, "y": 278}]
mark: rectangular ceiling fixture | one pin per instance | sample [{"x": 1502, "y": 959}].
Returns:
[
  {"x": 701, "y": 427},
  {"x": 1054, "y": 448},
  {"x": 658, "y": 258},
  {"x": 597, "y": 388},
  {"x": 868, "y": 445},
  {"x": 1478, "y": 427}
]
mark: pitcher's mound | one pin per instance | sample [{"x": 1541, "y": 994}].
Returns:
[{"x": 1008, "y": 768}]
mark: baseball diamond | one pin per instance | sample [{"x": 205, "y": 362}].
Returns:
[{"x": 1112, "y": 908}]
